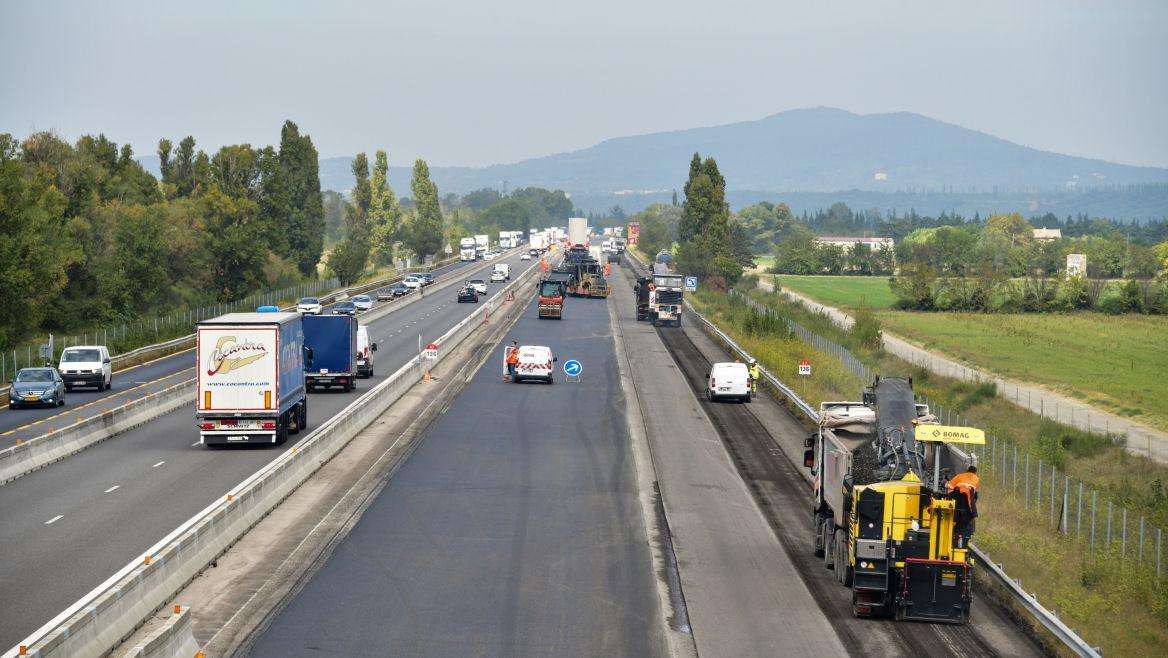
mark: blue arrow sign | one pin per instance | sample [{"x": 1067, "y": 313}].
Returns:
[
  {"x": 572, "y": 368},
  {"x": 691, "y": 284}
]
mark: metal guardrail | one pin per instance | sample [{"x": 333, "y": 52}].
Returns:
[
  {"x": 1046, "y": 618},
  {"x": 94, "y": 624}
]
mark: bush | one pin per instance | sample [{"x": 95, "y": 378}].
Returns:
[
  {"x": 866, "y": 331},
  {"x": 1111, "y": 304}
]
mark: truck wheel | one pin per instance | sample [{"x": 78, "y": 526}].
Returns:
[
  {"x": 282, "y": 432},
  {"x": 843, "y": 570},
  {"x": 817, "y": 533},
  {"x": 304, "y": 414},
  {"x": 294, "y": 420},
  {"x": 829, "y": 544}
]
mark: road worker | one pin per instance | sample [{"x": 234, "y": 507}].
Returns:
[
  {"x": 963, "y": 488},
  {"x": 755, "y": 373},
  {"x": 512, "y": 360}
]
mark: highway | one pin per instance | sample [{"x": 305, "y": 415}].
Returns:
[
  {"x": 514, "y": 529},
  {"x": 128, "y": 384},
  {"x": 68, "y": 526}
]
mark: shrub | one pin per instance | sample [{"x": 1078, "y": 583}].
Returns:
[{"x": 865, "y": 330}]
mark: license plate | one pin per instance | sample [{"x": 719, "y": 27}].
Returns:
[
  {"x": 32, "y": 398},
  {"x": 237, "y": 438},
  {"x": 323, "y": 380},
  {"x": 324, "y": 371},
  {"x": 723, "y": 388}
]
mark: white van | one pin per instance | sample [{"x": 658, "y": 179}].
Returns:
[
  {"x": 365, "y": 351},
  {"x": 86, "y": 365},
  {"x": 728, "y": 380},
  {"x": 504, "y": 269},
  {"x": 535, "y": 362}
]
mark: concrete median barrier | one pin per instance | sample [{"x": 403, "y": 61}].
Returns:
[{"x": 108, "y": 615}]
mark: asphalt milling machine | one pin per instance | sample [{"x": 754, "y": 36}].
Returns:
[{"x": 885, "y": 524}]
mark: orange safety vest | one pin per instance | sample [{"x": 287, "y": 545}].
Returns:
[
  {"x": 513, "y": 357},
  {"x": 967, "y": 483}
]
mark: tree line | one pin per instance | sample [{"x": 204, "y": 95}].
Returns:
[{"x": 88, "y": 236}]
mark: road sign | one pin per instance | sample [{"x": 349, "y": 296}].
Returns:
[
  {"x": 691, "y": 284},
  {"x": 431, "y": 352},
  {"x": 804, "y": 367},
  {"x": 572, "y": 368},
  {"x": 945, "y": 434}
]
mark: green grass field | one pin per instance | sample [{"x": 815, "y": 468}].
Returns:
[
  {"x": 842, "y": 291},
  {"x": 1114, "y": 362}
]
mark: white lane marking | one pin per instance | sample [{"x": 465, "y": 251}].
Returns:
[
  {"x": 54, "y": 519},
  {"x": 113, "y": 488},
  {"x": 158, "y": 464},
  {"x": 194, "y": 444}
]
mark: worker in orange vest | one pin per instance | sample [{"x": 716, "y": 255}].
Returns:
[
  {"x": 512, "y": 361},
  {"x": 963, "y": 488}
]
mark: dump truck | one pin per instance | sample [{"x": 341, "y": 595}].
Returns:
[
  {"x": 552, "y": 289},
  {"x": 250, "y": 378},
  {"x": 665, "y": 296},
  {"x": 882, "y": 522}
]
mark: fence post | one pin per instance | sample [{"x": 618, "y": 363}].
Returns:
[
  {"x": 1079, "y": 513},
  {"x": 1038, "y": 496},
  {"x": 1094, "y": 498},
  {"x": 1053, "y": 476},
  {"x": 1065, "y": 522},
  {"x": 1014, "y": 477},
  {"x": 1026, "y": 495}
]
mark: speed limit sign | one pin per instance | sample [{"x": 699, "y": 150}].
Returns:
[{"x": 431, "y": 352}]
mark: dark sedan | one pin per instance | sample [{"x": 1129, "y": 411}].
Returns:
[
  {"x": 345, "y": 308},
  {"x": 37, "y": 387},
  {"x": 392, "y": 292},
  {"x": 468, "y": 294},
  {"x": 426, "y": 278}
]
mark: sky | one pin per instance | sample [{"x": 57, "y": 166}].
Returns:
[{"x": 475, "y": 83}]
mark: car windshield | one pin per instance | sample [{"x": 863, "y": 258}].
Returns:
[
  {"x": 474, "y": 281},
  {"x": 310, "y": 300},
  {"x": 35, "y": 375},
  {"x": 550, "y": 289},
  {"x": 81, "y": 356},
  {"x": 345, "y": 305},
  {"x": 361, "y": 298}
]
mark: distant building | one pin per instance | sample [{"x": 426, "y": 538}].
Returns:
[
  {"x": 1076, "y": 265},
  {"x": 848, "y": 243},
  {"x": 1047, "y": 234}
]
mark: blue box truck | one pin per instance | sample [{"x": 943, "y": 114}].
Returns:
[
  {"x": 333, "y": 341},
  {"x": 250, "y": 375}
]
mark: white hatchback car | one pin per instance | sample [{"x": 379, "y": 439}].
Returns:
[
  {"x": 86, "y": 365},
  {"x": 363, "y": 302},
  {"x": 310, "y": 306},
  {"x": 413, "y": 282},
  {"x": 728, "y": 380},
  {"x": 479, "y": 285}
]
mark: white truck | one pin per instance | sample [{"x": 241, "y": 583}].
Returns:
[
  {"x": 482, "y": 243},
  {"x": 578, "y": 231},
  {"x": 505, "y": 240},
  {"x": 466, "y": 249},
  {"x": 539, "y": 243},
  {"x": 250, "y": 373}
]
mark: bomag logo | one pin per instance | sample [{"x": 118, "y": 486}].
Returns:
[{"x": 230, "y": 355}]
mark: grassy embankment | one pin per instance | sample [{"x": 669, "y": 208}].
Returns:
[
  {"x": 1111, "y": 362},
  {"x": 1112, "y": 602}
]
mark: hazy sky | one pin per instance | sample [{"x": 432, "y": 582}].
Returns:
[{"x": 483, "y": 82}]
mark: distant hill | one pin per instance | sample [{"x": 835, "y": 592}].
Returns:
[{"x": 813, "y": 150}]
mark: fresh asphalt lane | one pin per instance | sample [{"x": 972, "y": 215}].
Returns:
[
  {"x": 514, "y": 529},
  {"x": 81, "y": 403},
  {"x": 66, "y": 528}
]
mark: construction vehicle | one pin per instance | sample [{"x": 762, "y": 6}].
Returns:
[
  {"x": 882, "y": 522},
  {"x": 665, "y": 296},
  {"x": 552, "y": 289},
  {"x": 641, "y": 290},
  {"x": 588, "y": 280}
]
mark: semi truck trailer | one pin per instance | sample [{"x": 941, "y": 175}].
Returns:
[
  {"x": 250, "y": 378},
  {"x": 333, "y": 342}
]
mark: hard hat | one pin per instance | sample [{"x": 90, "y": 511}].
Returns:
[{"x": 753, "y": 361}]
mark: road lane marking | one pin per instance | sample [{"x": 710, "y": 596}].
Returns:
[
  {"x": 113, "y": 488},
  {"x": 195, "y": 443},
  {"x": 158, "y": 464},
  {"x": 54, "y": 519}
]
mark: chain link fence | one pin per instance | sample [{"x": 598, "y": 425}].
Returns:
[{"x": 1071, "y": 508}]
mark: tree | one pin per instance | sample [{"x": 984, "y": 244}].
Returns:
[
  {"x": 654, "y": 236},
  {"x": 32, "y": 252},
  {"x": 350, "y": 257},
  {"x": 704, "y": 230},
  {"x": 1012, "y": 226},
  {"x": 740, "y": 247},
  {"x": 233, "y": 248},
  {"x": 383, "y": 212},
  {"x": 299, "y": 170},
  {"x": 424, "y": 232}
]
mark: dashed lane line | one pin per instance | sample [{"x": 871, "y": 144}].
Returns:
[
  {"x": 54, "y": 519},
  {"x": 113, "y": 488},
  {"x": 158, "y": 464}
]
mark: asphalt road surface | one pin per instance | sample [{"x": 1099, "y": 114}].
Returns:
[
  {"x": 514, "y": 529},
  {"x": 66, "y": 528},
  {"x": 126, "y": 385}
]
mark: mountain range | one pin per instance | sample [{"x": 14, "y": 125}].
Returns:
[{"x": 814, "y": 150}]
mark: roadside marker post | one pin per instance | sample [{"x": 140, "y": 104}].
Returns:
[
  {"x": 429, "y": 355},
  {"x": 805, "y": 368}
]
